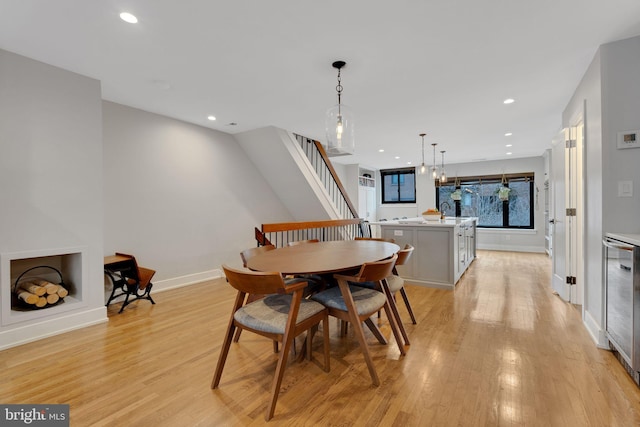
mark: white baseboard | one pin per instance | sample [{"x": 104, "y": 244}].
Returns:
[
  {"x": 190, "y": 279},
  {"x": 596, "y": 331},
  {"x": 70, "y": 321},
  {"x": 49, "y": 327},
  {"x": 502, "y": 247}
]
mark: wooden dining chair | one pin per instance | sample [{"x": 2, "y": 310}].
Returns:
[
  {"x": 355, "y": 304},
  {"x": 393, "y": 284},
  {"x": 396, "y": 282},
  {"x": 282, "y": 315},
  {"x": 246, "y": 255}
]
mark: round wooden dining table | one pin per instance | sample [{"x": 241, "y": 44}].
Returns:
[
  {"x": 322, "y": 257},
  {"x": 325, "y": 258}
]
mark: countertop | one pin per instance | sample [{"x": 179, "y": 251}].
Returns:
[
  {"x": 632, "y": 239},
  {"x": 419, "y": 221}
]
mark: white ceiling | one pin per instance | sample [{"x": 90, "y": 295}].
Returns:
[{"x": 437, "y": 66}]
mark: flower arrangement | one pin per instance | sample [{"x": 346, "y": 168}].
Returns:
[{"x": 503, "y": 193}]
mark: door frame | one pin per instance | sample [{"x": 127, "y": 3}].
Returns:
[
  {"x": 577, "y": 124},
  {"x": 559, "y": 259},
  {"x": 576, "y": 130}
]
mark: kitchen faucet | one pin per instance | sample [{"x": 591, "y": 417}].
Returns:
[{"x": 443, "y": 204}]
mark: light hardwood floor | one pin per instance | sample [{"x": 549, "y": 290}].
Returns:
[{"x": 499, "y": 350}]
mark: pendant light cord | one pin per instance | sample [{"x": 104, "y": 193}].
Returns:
[{"x": 339, "y": 90}]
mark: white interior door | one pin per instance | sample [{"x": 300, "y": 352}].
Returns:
[{"x": 559, "y": 170}]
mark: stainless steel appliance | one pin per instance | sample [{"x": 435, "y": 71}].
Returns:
[{"x": 622, "y": 300}]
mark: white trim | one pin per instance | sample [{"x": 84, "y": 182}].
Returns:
[
  {"x": 511, "y": 248},
  {"x": 190, "y": 279},
  {"x": 528, "y": 231},
  {"x": 52, "y": 326},
  {"x": 596, "y": 331}
]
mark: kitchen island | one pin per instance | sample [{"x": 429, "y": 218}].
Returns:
[{"x": 443, "y": 248}]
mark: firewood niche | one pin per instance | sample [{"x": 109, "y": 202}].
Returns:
[{"x": 35, "y": 288}]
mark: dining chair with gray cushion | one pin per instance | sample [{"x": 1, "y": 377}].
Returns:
[
  {"x": 282, "y": 315},
  {"x": 393, "y": 284},
  {"x": 355, "y": 304}
]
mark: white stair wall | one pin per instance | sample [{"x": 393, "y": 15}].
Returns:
[{"x": 279, "y": 158}]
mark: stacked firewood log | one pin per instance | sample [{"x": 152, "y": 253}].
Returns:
[{"x": 40, "y": 293}]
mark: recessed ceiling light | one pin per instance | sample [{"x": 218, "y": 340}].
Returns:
[
  {"x": 127, "y": 17},
  {"x": 397, "y": 157},
  {"x": 509, "y": 101},
  {"x": 212, "y": 118},
  {"x": 381, "y": 150},
  {"x": 508, "y": 134},
  {"x": 509, "y": 145},
  {"x": 408, "y": 163},
  {"x": 509, "y": 153}
]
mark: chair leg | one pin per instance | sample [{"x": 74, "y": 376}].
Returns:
[
  {"x": 325, "y": 333},
  {"x": 277, "y": 379},
  {"x": 223, "y": 355},
  {"x": 406, "y": 302},
  {"x": 357, "y": 328},
  {"x": 343, "y": 327},
  {"x": 375, "y": 330},
  {"x": 394, "y": 310},
  {"x": 359, "y": 332},
  {"x": 310, "y": 333},
  {"x": 394, "y": 328}
]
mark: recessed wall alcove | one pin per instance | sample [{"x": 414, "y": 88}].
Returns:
[{"x": 70, "y": 262}]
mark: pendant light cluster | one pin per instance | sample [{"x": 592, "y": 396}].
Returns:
[
  {"x": 339, "y": 124},
  {"x": 440, "y": 174}
]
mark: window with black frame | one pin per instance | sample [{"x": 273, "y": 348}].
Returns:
[
  {"x": 498, "y": 201},
  {"x": 398, "y": 185}
]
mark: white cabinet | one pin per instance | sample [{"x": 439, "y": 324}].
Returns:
[
  {"x": 470, "y": 236},
  {"x": 367, "y": 198},
  {"x": 367, "y": 203},
  {"x": 465, "y": 234},
  {"x": 443, "y": 249}
]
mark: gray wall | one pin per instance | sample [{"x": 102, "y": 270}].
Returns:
[
  {"x": 51, "y": 173},
  {"x": 50, "y": 158},
  {"x": 620, "y": 112},
  {"x": 610, "y": 90},
  {"x": 184, "y": 199}
]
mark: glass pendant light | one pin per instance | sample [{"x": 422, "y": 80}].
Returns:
[
  {"x": 443, "y": 175},
  {"x": 434, "y": 168},
  {"x": 339, "y": 124},
  {"x": 423, "y": 167}
]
